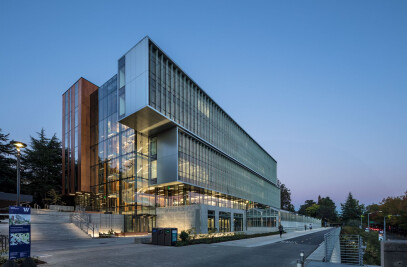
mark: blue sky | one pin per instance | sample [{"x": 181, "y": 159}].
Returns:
[{"x": 321, "y": 85}]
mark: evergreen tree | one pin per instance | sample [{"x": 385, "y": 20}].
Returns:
[
  {"x": 42, "y": 166},
  {"x": 8, "y": 173},
  {"x": 351, "y": 210},
  {"x": 285, "y": 197}
]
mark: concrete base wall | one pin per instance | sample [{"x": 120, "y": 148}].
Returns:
[
  {"x": 181, "y": 217},
  {"x": 258, "y": 230},
  {"x": 394, "y": 253},
  {"x": 193, "y": 217},
  {"x": 106, "y": 222}
]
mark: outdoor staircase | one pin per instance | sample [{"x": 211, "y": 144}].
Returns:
[{"x": 54, "y": 225}]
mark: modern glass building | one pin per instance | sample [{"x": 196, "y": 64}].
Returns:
[{"x": 151, "y": 145}]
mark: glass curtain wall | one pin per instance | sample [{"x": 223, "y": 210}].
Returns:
[
  {"x": 120, "y": 162},
  {"x": 71, "y": 138},
  {"x": 202, "y": 166},
  {"x": 173, "y": 94},
  {"x": 67, "y": 135}
]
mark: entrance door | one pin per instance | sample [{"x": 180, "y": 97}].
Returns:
[{"x": 144, "y": 223}]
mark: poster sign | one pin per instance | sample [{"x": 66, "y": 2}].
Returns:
[{"x": 19, "y": 232}]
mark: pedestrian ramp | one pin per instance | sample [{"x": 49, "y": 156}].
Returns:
[{"x": 267, "y": 240}]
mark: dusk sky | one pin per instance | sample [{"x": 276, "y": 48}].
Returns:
[{"x": 321, "y": 85}]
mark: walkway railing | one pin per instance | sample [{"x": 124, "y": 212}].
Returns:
[
  {"x": 332, "y": 245},
  {"x": 3, "y": 244},
  {"x": 82, "y": 221},
  {"x": 352, "y": 249}
]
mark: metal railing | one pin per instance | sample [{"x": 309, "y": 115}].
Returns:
[
  {"x": 3, "y": 244},
  {"x": 352, "y": 249},
  {"x": 332, "y": 244},
  {"x": 82, "y": 221}
]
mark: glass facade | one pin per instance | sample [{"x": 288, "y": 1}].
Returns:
[
  {"x": 120, "y": 162},
  {"x": 71, "y": 139},
  {"x": 202, "y": 166},
  {"x": 175, "y": 95}
]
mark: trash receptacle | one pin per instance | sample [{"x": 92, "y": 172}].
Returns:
[
  {"x": 167, "y": 236},
  {"x": 154, "y": 236},
  {"x": 160, "y": 236},
  {"x": 174, "y": 236}
]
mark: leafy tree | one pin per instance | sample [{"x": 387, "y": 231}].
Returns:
[
  {"x": 351, "y": 209},
  {"x": 394, "y": 206},
  {"x": 42, "y": 166},
  {"x": 285, "y": 197},
  {"x": 312, "y": 210},
  {"x": 307, "y": 204},
  {"x": 327, "y": 209},
  {"x": 53, "y": 198},
  {"x": 8, "y": 176}
]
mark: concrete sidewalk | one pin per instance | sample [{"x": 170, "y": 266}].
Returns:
[{"x": 266, "y": 240}]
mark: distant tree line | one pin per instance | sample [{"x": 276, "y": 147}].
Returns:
[
  {"x": 40, "y": 169},
  {"x": 352, "y": 212}
]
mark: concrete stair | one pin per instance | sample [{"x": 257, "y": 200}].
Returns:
[
  {"x": 53, "y": 225},
  {"x": 56, "y": 231}
]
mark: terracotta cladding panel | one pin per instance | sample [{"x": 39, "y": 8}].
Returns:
[
  {"x": 72, "y": 129},
  {"x": 86, "y": 88}
]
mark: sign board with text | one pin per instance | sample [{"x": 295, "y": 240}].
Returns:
[{"x": 19, "y": 232}]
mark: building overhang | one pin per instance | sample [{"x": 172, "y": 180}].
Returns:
[{"x": 147, "y": 121}]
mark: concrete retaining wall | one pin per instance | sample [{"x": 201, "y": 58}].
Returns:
[
  {"x": 106, "y": 222},
  {"x": 394, "y": 253}
]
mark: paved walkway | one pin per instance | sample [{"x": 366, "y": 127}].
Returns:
[{"x": 266, "y": 240}]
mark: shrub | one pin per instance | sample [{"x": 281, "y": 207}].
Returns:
[{"x": 184, "y": 236}]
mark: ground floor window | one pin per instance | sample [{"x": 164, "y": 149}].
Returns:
[
  {"x": 266, "y": 217},
  {"x": 238, "y": 222},
  {"x": 224, "y": 221},
  {"x": 211, "y": 221}
]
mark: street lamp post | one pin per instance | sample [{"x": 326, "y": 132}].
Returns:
[
  {"x": 368, "y": 220},
  {"x": 18, "y": 146}
]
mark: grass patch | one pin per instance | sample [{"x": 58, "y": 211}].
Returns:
[{"x": 216, "y": 239}]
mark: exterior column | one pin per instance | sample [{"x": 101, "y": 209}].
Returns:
[{"x": 217, "y": 220}]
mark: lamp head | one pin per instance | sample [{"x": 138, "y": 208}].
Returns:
[{"x": 18, "y": 144}]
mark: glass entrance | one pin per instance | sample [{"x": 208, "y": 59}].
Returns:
[{"x": 145, "y": 223}]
